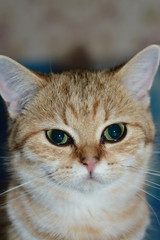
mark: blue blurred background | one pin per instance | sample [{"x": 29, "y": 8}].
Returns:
[{"x": 154, "y": 190}]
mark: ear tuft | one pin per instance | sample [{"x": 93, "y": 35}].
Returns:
[
  {"x": 17, "y": 85},
  {"x": 138, "y": 74}
]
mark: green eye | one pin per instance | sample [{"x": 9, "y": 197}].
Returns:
[
  {"x": 114, "y": 133},
  {"x": 58, "y": 137}
]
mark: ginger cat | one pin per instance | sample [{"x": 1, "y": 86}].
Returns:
[{"x": 80, "y": 143}]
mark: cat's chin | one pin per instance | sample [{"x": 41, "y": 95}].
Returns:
[{"x": 89, "y": 184}]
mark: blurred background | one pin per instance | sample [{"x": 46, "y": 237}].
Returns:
[
  {"x": 51, "y": 29},
  {"x": 55, "y": 35}
]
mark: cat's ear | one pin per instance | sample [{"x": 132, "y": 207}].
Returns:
[
  {"x": 138, "y": 74},
  {"x": 17, "y": 85}
]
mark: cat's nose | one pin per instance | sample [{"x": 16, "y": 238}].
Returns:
[
  {"x": 90, "y": 163},
  {"x": 89, "y": 156}
]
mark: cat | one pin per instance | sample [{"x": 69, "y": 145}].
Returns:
[{"x": 80, "y": 143}]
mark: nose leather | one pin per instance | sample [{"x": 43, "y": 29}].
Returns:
[
  {"x": 89, "y": 157},
  {"x": 90, "y": 164}
]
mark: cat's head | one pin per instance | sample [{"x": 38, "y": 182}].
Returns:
[{"x": 81, "y": 130}]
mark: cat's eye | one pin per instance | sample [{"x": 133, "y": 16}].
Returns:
[
  {"x": 114, "y": 133},
  {"x": 58, "y": 137}
]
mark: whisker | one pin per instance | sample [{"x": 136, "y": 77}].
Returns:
[
  {"x": 61, "y": 183},
  {"x": 153, "y": 183},
  {"x": 149, "y": 194},
  {"x": 150, "y": 185},
  {"x": 148, "y": 169},
  {"x": 153, "y": 174},
  {"x": 150, "y": 208},
  {"x": 20, "y": 185},
  {"x": 53, "y": 174},
  {"x": 150, "y": 172},
  {"x": 16, "y": 187}
]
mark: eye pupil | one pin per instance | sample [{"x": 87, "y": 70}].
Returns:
[
  {"x": 115, "y": 131},
  {"x": 57, "y": 136}
]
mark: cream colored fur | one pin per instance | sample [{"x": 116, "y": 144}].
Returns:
[{"x": 57, "y": 198}]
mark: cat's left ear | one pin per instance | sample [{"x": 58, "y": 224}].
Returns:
[
  {"x": 138, "y": 74},
  {"x": 17, "y": 85}
]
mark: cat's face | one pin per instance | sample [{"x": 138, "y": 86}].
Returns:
[
  {"x": 63, "y": 133},
  {"x": 81, "y": 131}
]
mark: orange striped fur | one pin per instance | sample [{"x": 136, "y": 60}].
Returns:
[{"x": 58, "y": 199}]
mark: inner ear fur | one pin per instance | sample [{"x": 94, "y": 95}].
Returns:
[
  {"x": 17, "y": 85},
  {"x": 138, "y": 74}
]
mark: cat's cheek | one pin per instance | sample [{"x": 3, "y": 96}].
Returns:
[
  {"x": 106, "y": 173},
  {"x": 141, "y": 157}
]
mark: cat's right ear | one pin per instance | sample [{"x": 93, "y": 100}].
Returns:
[
  {"x": 138, "y": 74},
  {"x": 17, "y": 85}
]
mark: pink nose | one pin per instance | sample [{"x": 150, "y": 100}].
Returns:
[{"x": 90, "y": 164}]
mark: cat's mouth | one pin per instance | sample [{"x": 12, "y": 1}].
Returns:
[
  {"x": 91, "y": 181},
  {"x": 91, "y": 178},
  {"x": 88, "y": 182}
]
